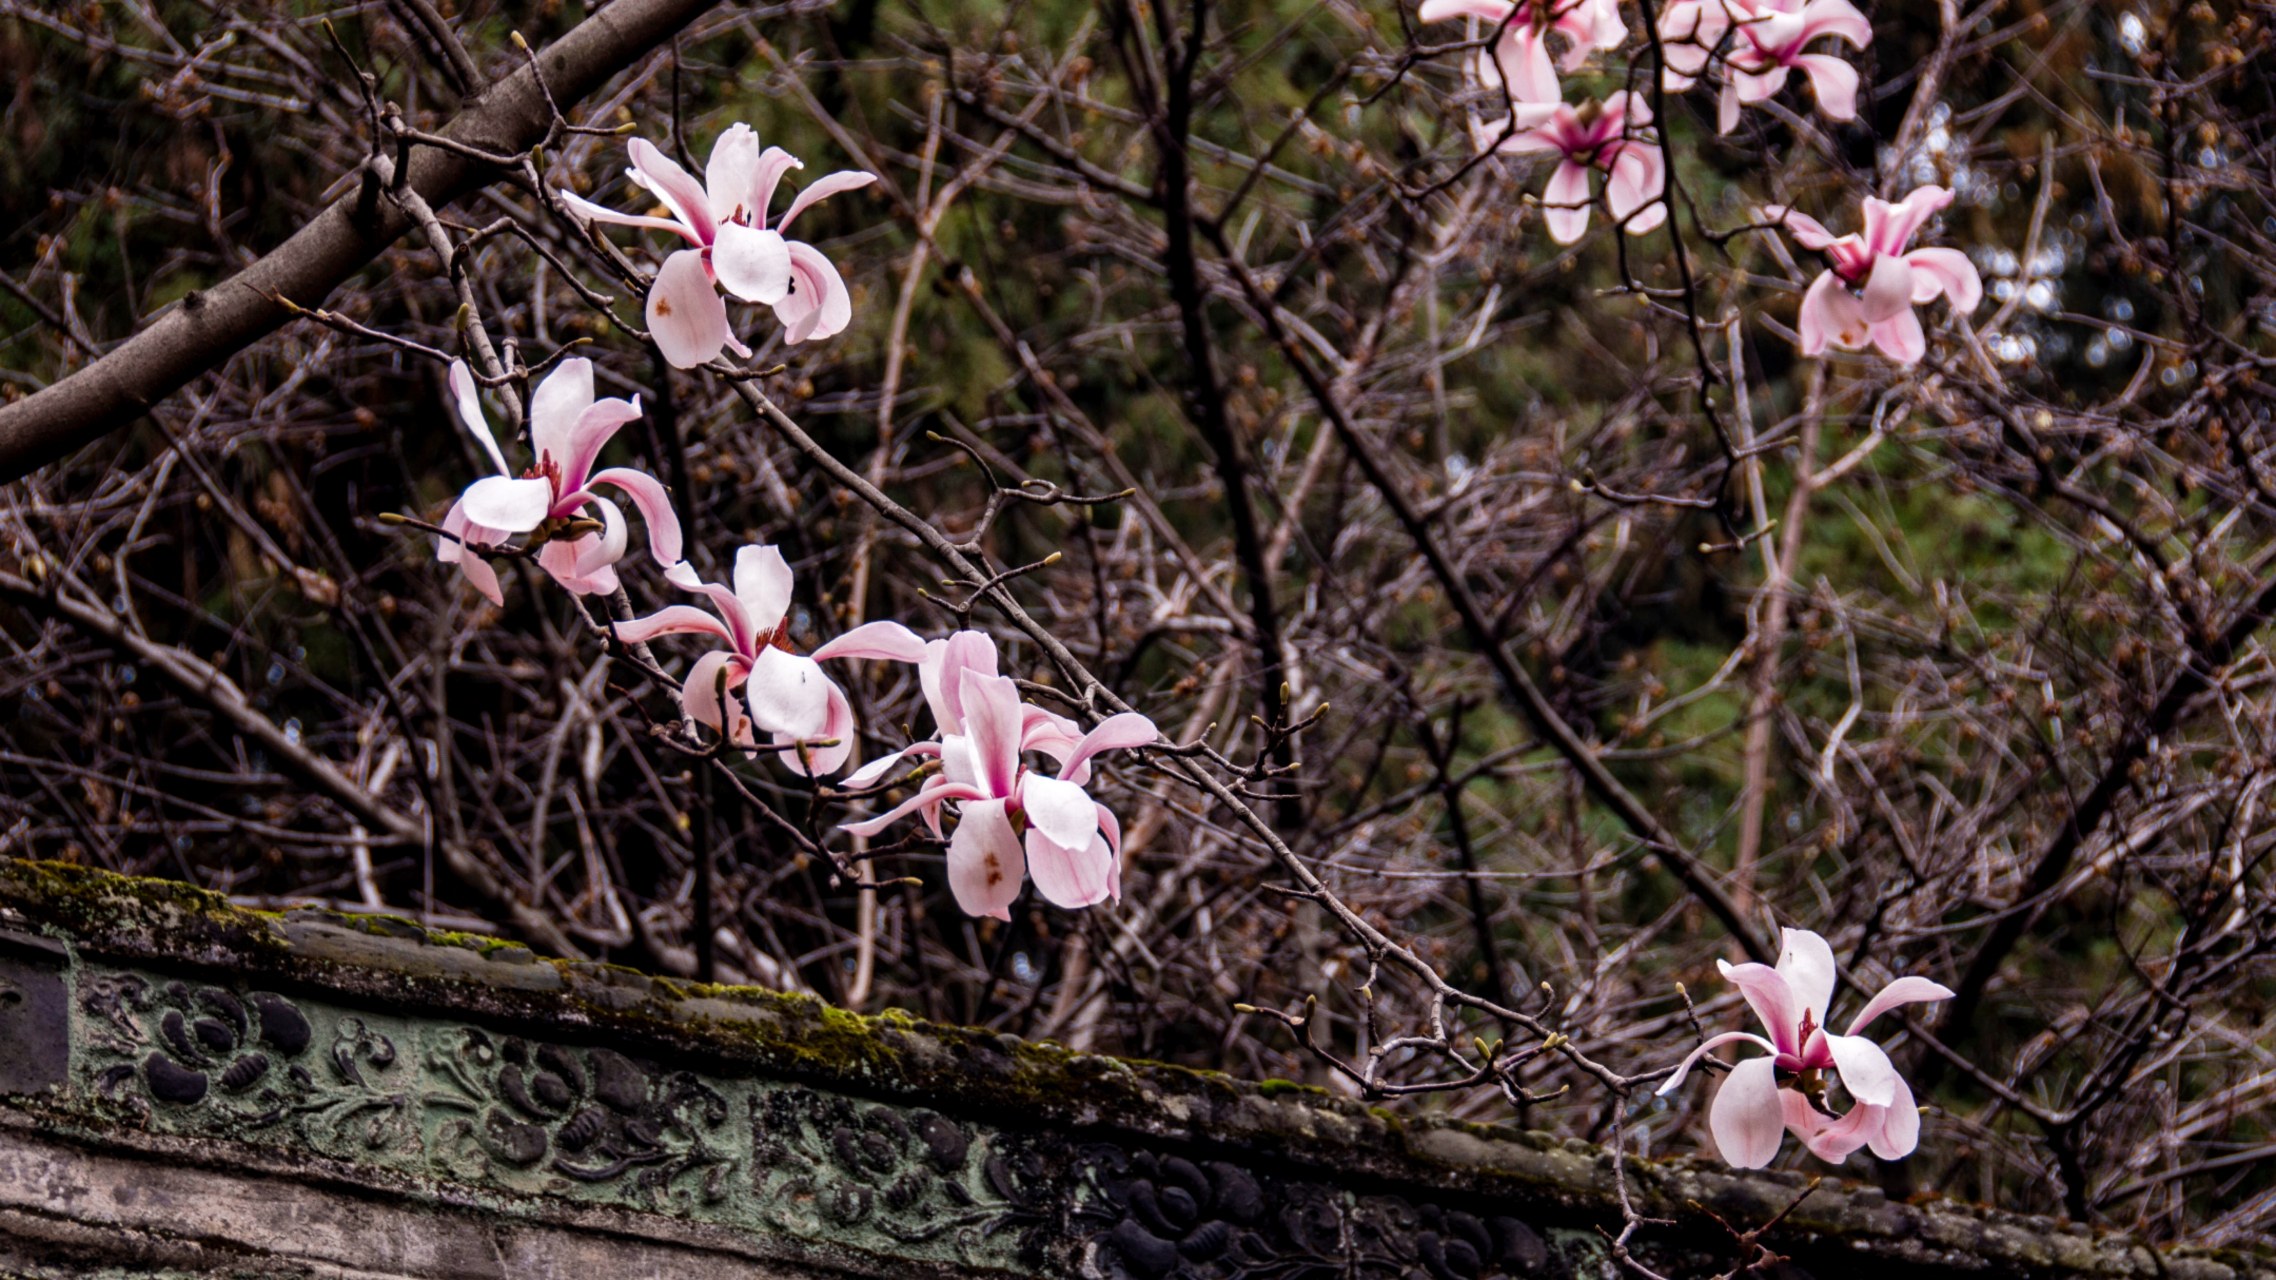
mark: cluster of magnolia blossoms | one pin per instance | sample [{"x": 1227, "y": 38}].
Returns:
[
  {"x": 1763, "y": 1098},
  {"x": 723, "y": 217},
  {"x": 1012, "y": 822},
  {"x": 1768, "y": 39},
  {"x": 1603, "y": 135},
  {"x": 1867, "y": 296}
]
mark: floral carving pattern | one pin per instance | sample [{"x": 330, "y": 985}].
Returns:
[
  {"x": 194, "y": 1041},
  {"x": 595, "y": 1124},
  {"x": 821, "y": 1163},
  {"x": 1152, "y": 1217},
  {"x": 591, "y": 1116},
  {"x": 207, "y": 1055}
]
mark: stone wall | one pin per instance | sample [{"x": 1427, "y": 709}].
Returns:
[{"x": 189, "y": 1088}]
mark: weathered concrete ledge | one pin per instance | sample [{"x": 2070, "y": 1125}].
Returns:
[{"x": 191, "y": 1088}]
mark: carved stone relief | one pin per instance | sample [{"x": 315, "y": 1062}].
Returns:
[
  {"x": 593, "y": 1124},
  {"x": 824, "y": 1165},
  {"x": 1150, "y": 1217},
  {"x": 205, "y": 1059}
]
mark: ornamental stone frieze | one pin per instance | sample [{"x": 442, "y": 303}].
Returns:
[{"x": 187, "y": 1088}]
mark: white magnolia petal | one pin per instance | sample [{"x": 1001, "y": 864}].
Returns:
[
  {"x": 602, "y": 213},
  {"x": 1899, "y": 1131},
  {"x": 597, "y": 552},
  {"x": 986, "y": 865},
  {"x": 1564, "y": 205},
  {"x": 1900, "y": 338},
  {"x": 1119, "y": 732},
  {"x": 992, "y": 717},
  {"x": 956, "y": 760},
  {"x": 579, "y": 447},
  {"x": 1834, "y": 1140},
  {"x": 504, "y": 503},
  {"x": 885, "y": 640},
  {"x": 941, "y": 673},
  {"x": 819, "y": 760},
  {"x": 1805, "y": 960},
  {"x": 1071, "y": 877},
  {"x": 753, "y": 264},
  {"x": 1806, "y": 230},
  {"x": 564, "y": 561},
  {"x": 679, "y": 190},
  {"x": 1773, "y": 1001},
  {"x": 1712, "y": 1043},
  {"x": 484, "y": 579},
  {"x": 1888, "y": 289},
  {"x": 1910, "y": 989},
  {"x": 655, "y": 506},
  {"x": 870, "y": 773},
  {"x": 702, "y": 693},
  {"x": 1834, "y": 81},
  {"x": 685, "y": 316},
  {"x": 929, "y": 798},
  {"x": 763, "y": 583},
  {"x": 1865, "y": 1070},
  {"x": 822, "y": 189},
  {"x": 673, "y": 619},
  {"x": 466, "y": 398},
  {"x": 1746, "y": 1118},
  {"x": 818, "y": 305},
  {"x": 1831, "y": 316},
  {"x": 730, "y": 173},
  {"x": 1945, "y": 271},
  {"x": 554, "y": 408},
  {"x": 789, "y": 694},
  {"x": 1060, "y": 810}
]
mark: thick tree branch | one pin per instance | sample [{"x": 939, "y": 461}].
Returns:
[{"x": 209, "y": 327}]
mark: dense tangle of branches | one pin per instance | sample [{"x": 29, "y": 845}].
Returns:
[{"x": 1533, "y": 626}]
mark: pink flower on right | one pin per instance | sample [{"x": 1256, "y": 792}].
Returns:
[
  {"x": 1891, "y": 282},
  {"x": 1765, "y": 1097}
]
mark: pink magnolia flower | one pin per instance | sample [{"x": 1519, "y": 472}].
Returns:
[
  {"x": 1593, "y": 135},
  {"x": 1766, "y": 1096},
  {"x": 723, "y": 218},
  {"x": 1520, "y": 58},
  {"x": 1012, "y": 823},
  {"x": 789, "y": 695},
  {"x": 1771, "y": 35},
  {"x": 568, "y": 427},
  {"x": 1893, "y": 281}
]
